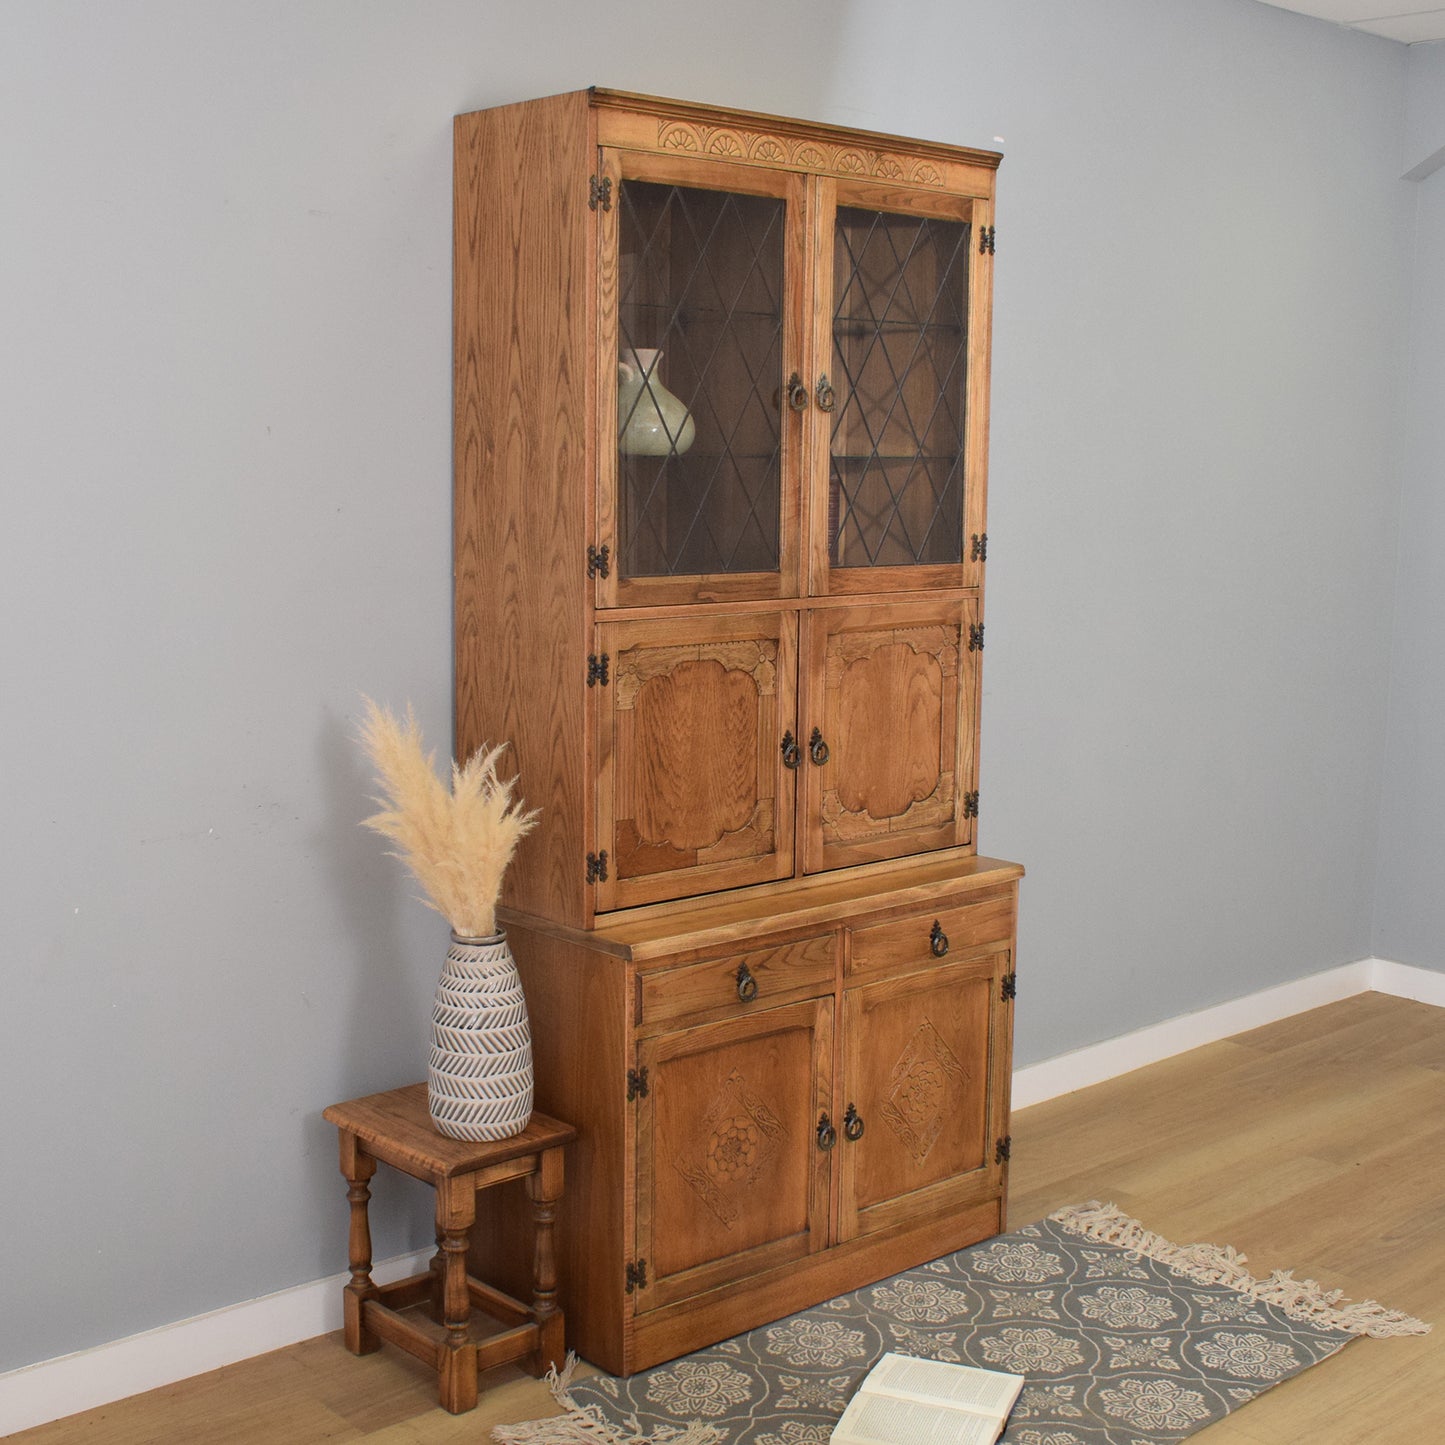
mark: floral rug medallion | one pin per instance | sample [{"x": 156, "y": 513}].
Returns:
[{"x": 1124, "y": 1338}]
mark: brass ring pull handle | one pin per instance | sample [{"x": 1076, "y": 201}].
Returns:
[
  {"x": 817, "y": 748},
  {"x": 852, "y": 1125},
  {"x": 797, "y": 393},
  {"x": 747, "y": 984},
  {"x": 792, "y": 753},
  {"x": 938, "y": 940},
  {"x": 827, "y": 397},
  {"x": 827, "y": 1134}
]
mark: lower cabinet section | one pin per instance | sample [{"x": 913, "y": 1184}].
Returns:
[{"x": 776, "y": 1103}]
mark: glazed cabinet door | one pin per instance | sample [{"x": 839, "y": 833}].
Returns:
[
  {"x": 730, "y": 1178},
  {"x": 926, "y": 1058},
  {"x": 900, "y": 432},
  {"x": 702, "y": 273},
  {"x": 693, "y": 793},
  {"x": 890, "y": 714}
]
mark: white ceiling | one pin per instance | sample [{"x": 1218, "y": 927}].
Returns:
[{"x": 1394, "y": 19}]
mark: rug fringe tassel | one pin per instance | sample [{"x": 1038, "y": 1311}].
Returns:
[
  {"x": 1215, "y": 1264},
  {"x": 576, "y": 1426}
]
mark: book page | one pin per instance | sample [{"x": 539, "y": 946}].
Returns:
[
  {"x": 960, "y": 1386},
  {"x": 888, "y": 1420}
]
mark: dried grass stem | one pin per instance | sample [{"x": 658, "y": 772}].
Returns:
[{"x": 458, "y": 842}]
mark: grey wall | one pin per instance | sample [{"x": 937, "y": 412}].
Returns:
[
  {"x": 224, "y": 368},
  {"x": 1410, "y": 897}
]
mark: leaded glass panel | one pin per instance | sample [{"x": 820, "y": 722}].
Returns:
[
  {"x": 699, "y": 334},
  {"x": 900, "y": 360}
]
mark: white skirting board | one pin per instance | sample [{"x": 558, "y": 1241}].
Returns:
[
  {"x": 35, "y": 1394},
  {"x": 51, "y": 1389}
]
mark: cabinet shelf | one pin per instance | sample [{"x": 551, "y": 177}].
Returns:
[
  {"x": 895, "y": 456},
  {"x": 861, "y": 326},
  {"x": 686, "y": 315}
]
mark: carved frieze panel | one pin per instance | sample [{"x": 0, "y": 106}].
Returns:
[{"x": 765, "y": 147}]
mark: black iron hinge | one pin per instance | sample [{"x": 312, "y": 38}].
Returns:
[
  {"x": 985, "y": 240},
  {"x": 599, "y": 560},
  {"x": 636, "y": 1084},
  {"x": 1009, "y": 986},
  {"x": 636, "y": 1275},
  {"x": 970, "y": 804},
  {"x": 597, "y": 867},
  {"x": 980, "y": 547},
  {"x": 1002, "y": 1149},
  {"x": 975, "y": 636},
  {"x": 596, "y": 669},
  {"x": 599, "y": 193}
]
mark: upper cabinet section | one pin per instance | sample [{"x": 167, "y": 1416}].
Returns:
[
  {"x": 720, "y": 397},
  {"x": 792, "y": 358}
]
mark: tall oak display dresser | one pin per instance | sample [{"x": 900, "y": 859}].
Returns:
[{"x": 721, "y": 408}]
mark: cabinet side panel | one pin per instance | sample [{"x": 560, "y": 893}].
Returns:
[
  {"x": 523, "y": 250},
  {"x": 578, "y": 1003}
]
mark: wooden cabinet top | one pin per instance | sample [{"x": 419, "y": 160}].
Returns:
[
  {"x": 820, "y": 901},
  {"x": 649, "y": 122}
]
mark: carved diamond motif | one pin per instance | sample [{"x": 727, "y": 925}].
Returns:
[
  {"x": 917, "y": 1097},
  {"x": 739, "y": 1137}
]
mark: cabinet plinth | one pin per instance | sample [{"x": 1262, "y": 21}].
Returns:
[{"x": 721, "y": 456}]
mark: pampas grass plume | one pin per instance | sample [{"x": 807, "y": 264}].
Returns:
[{"x": 456, "y": 842}]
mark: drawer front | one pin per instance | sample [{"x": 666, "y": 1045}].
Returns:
[
  {"x": 739, "y": 983},
  {"x": 920, "y": 939}
]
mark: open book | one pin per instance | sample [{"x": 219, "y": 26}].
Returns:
[{"x": 905, "y": 1401}]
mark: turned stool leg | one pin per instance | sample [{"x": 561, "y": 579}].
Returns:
[
  {"x": 456, "y": 1212},
  {"x": 437, "y": 1268},
  {"x": 544, "y": 1189},
  {"x": 358, "y": 1167}
]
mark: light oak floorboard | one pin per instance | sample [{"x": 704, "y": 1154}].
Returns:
[{"x": 1315, "y": 1144}]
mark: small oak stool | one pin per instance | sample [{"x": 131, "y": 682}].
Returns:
[{"x": 396, "y": 1129}]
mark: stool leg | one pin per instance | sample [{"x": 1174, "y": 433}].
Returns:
[
  {"x": 456, "y": 1212},
  {"x": 358, "y": 1167},
  {"x": 438, "y": 1277},
  {"x": 544, "y": 1189}
]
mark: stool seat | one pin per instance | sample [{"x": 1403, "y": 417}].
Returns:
[{"x": 430, "y": 1315}]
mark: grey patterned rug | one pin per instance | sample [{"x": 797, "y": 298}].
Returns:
[{"x": 1124, "y": 1338}]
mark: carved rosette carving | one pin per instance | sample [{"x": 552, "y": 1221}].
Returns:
[
  {"x": 740, "y": 1136},
  {"x": 917, "y": 1098},
  {"x": 695, "y": 138}
]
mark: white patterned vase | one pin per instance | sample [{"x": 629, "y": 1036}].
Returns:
[
  {"x": 651, "y": 421},
  {"x": 479, "y": 1083}
]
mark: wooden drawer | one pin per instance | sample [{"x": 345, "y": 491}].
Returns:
[
  {"x": 903, "y": 944},
  {"x": 785, "y": 972}
]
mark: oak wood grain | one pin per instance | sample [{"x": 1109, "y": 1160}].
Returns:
[
  {"x": 730, "y": 1182},
  {"x": 891, "y": 688},
  {"x": 918, "y": 1075},
  {"x": 523, "y": 302}
]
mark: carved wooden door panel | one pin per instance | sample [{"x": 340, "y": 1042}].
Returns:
[
  {"x": 692, "y": 791},
  {"x": 890, "y": 721},
  {"x": 925, "y": 1074},
  {"x": 730, "y": 1179}
]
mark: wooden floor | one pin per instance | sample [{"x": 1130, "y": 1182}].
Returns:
[{"x": 1316, "y": 1144}]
